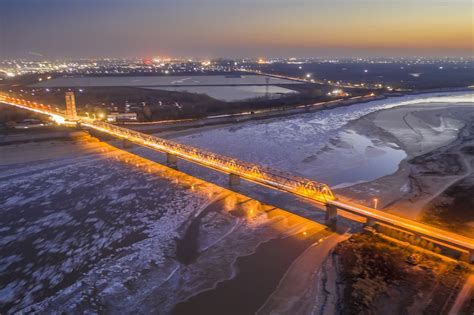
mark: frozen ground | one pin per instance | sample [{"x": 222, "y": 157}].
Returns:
[{"x": 321, "y": 145}]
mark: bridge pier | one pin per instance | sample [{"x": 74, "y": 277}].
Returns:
[
  {"x": 126, "y": 144},
  {"x": 171, "y": 160},
  {"x": 234, "y": 179},
  {"x": 370, "y": 222},
  {"x": 331, "y": 216}
]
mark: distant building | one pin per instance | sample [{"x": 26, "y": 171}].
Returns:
[
  {"x": 71, "y": 106},
  {"x": 114, "y": 117}
]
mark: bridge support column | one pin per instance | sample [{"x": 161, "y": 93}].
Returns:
[
  {"x": 370, "y": 222},
  {"x": 234, "y": 180},
  {"x": 126, "y": 144},
  {"x": 171, "y": 160},
  {"x": 331, "y": 216}
]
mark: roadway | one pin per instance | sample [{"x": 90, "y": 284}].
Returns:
[{"x": 417, "y": 228}]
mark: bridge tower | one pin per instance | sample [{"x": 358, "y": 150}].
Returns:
[{"x": 71, "y": 113}]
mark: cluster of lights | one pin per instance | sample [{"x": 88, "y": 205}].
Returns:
[{"x": 114, "y": 66}]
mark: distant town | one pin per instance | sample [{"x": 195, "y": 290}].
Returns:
[{"x": 163, "y": 88}]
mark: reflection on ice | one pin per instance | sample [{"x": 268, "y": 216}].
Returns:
[{"x": 363, "y": 160}]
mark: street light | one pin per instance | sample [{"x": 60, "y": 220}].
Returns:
[{"x": 376, "y": 201}]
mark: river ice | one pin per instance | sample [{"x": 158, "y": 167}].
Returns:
[
  {"x": 60, "y": 218},
  {"x": 86, "y": 232},
  {"x": 318, "y": 145},
  {"x": 98, "y": 231}
]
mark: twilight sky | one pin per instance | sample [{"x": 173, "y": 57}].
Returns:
[{"x": 235, "y": 28}]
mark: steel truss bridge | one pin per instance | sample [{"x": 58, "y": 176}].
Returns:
[{"x": 266, "y": 176}]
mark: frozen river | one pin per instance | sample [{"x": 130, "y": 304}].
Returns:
[
  {"x": 322, "y": 145},
  {"x": 232, "y": 93},
  {"x": 95, "y": 229},
  {"x": 221, "y": 87},
  {"x": 100, "y": 229}
]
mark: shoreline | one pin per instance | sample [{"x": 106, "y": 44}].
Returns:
[
  {"x": 226, "y": 119},
  {"x": 190, "y": 127},
  {"x": 401, "y": 185},
  {"x": 429, "y": 169}
]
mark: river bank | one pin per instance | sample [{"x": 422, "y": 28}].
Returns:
[
  {"x": 174, "y": 125},
  {"x": 376, "y": 278},
  {"x": 405, "y": 153},
  {"x": 435, "y": 140}
]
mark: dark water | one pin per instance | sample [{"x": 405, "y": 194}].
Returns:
[
  {"x": 187, "y": 247},
  {"x": 258, "y": 276}
]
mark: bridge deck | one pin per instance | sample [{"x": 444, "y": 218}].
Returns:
[{"x": 263, "y": 175}]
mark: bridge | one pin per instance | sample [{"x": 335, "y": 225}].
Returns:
[{"x": 318, "y": 192}]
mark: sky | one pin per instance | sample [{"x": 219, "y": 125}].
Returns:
[{"x": 235, "y": 28}]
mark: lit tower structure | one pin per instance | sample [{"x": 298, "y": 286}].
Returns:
[{"x": 71, "y": 113}]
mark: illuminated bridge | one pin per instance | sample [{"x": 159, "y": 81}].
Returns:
[{"x": 318, "y": 192}]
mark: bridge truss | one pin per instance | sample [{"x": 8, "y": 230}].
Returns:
[{"x": 253, "y": 172}]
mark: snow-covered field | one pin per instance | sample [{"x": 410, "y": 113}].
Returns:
[{"x": 318, "y": 145}]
